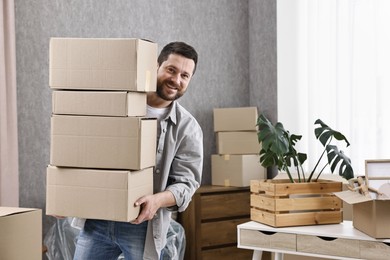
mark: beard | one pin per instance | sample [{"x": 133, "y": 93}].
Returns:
[{"x": 160, "y": 92}]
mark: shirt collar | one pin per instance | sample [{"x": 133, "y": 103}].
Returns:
[{"x": 172, "y": 113}]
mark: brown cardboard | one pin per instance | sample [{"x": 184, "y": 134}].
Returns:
[
  {"x": 235, "y": 170},
  {"x": 235, "y": 119},
  {"x": 372, "y": 218},
  {"x": 96, "y": 194},
  {"x": 103, "y": 63},
  {"x": 369, "y": 215},
  {"x": 99, "y": 103},
  {"x": 243, "y": 142},
  {"x": 20, "y": 233},
  {"x": 103, "y": 142}
]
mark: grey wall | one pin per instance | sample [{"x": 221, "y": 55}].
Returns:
[{"x": 235, "y": 39}]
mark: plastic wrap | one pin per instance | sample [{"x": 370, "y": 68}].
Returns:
[
  {"x": 61, "y": 239},
  {"x": 176, "y": 242}
]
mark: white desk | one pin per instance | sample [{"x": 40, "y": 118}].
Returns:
[{"x": 336, "y": 241}]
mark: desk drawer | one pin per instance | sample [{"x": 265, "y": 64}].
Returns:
[
  {"x": 328, "y": 246},
  {"x": 374, "y": 250},
  {"x": 265, "y": 239},
  {"x": 220, "y": 232},
  {"x": 224, "y": 205}
]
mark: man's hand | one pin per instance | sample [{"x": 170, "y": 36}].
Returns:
[{"x": 151, "y": 203}]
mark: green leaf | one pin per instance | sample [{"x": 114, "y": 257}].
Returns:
[
  {"x": 337, "y": 159},
  {"x": 324, "y": 133},
  {"x": 273, "y": 138}
]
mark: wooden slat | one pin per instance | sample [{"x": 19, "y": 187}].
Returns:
[
  {"x": 293, "y": 204},
  {"x": 296, "y": 219}
]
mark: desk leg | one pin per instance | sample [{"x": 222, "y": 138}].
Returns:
[
  {"x": 257, "y": 255},
  {"x": 278, "y": 256}
]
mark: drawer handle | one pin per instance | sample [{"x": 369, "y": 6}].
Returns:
[
  {"x": 327, "y": 238},
  {"x": 268, "y": 233}
]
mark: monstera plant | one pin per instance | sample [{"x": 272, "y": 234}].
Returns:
[{"x": 278, "y": 149}]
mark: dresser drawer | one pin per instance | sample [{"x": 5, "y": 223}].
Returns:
[
  {"x": 328, "y": 246},
  {"x": 223, "y": 205},
  {"x": 374, "y": 250},
  {"x": 227, "y": 253},
  {"x": 265, "y": 239},
  {"x": 220, "y": 232}
]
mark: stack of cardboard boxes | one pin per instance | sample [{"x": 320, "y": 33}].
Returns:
[
  {"x": 103, "y": 146},
  {"x": 237, "y": 158}
]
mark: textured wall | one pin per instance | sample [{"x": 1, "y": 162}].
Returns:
[
  {"x": 262, "y": 59},
  {"x": 218, "y": 29}
]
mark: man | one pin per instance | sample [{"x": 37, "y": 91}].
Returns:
[{"x": 177, "y": 174}]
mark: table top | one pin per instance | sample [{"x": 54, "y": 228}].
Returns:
[{"x": 343, "y": 230}]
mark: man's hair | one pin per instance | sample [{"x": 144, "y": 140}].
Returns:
[{"x": 180, "y": 48}]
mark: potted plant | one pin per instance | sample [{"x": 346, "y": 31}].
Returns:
[
  {"x": 306, "y": 200},
  {"x": 278, "y": 149}
]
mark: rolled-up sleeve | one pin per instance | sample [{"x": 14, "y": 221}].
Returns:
[{"x": 186, "y": 169}]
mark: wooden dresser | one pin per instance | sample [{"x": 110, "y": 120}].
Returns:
[{"x": 211, "y": 220}]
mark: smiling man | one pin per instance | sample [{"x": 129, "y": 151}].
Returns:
[{"x": 177, "y": 173}]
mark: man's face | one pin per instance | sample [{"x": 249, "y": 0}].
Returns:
[{"x": 173, "y": 77}]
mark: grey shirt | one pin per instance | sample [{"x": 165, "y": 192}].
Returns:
[{"x": 179, "y": 164}]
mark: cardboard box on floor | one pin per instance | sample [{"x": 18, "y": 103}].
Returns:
[
  {"x": 103, "y": 142},
  {"x": 236, "y": 170},
  {"x": 20, "y": 233},
  {"x": 103, "y": 63},
  {"x": 235, "y": 119},
  {"x": 99, "y": 103},
  {"x": 243, "y": 142},
  {"x": 96, "y": 194}
]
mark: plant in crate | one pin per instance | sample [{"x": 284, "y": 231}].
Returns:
[
  {"x": 306, "y": 200},
  {"x": 278, "y": 149}
]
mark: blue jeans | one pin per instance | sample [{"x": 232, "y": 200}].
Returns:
[{"x": 106, "y": 240}]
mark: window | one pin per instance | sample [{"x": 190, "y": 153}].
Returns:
[{"x": 333, "y": 64}]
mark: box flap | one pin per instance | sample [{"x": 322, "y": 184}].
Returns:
[
  {"x": 6, "y": 211},
  {"x": 352, "y": 197}
]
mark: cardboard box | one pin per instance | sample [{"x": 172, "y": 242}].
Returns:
[
  {"x": 235, "y": 119},
  {"x": 103, "y": 142},
  {"x": 103, "y": 64},
  {"x": 370, "y": 215},
  {"x": 21, "y": 233},
  {"x": 236, "y": 170},
  {"x": 99, "y": 103},
  {"x": 243, "y": 142},
  {"x": 96, "y": 194}
]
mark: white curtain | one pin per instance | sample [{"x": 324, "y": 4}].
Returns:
[
  {"x": 9, "y": 173},
  {"x": 334, "y": 64}
]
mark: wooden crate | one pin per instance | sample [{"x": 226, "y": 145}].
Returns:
[{"x": 280, "y": 203}]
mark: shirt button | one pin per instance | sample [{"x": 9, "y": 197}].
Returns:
[{"x": 157, "y": 170}]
